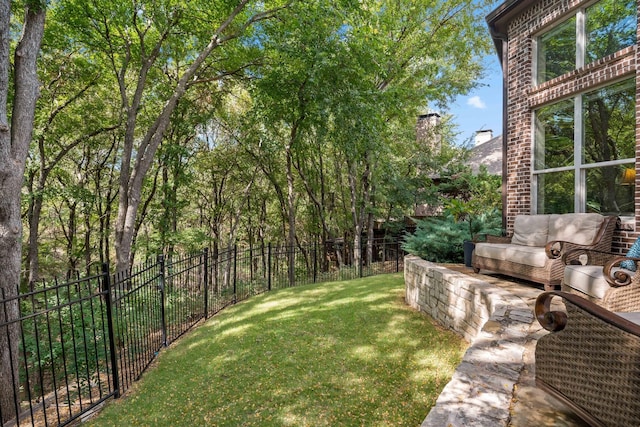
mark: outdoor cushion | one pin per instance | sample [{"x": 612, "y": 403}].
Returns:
[
  {"x": 634, "y": 252},
  {"x": 530, "y": 230},
  {"x": 579, "y": 228},
  {"x": 587, "y": 279},
  {"x": 492, "y": 250},
  {"x": 533, "y": 256},
  {"x": 631, "y": 316}
]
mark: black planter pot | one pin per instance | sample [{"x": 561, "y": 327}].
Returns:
[{"x": 467, "y": 247}]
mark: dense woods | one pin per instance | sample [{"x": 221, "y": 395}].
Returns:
[
  {"x": 169, "y": 126},
  {"x": 176, "y": 126}
]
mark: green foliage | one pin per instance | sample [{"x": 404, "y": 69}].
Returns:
[
  {"x": 471, "y": 205},
  {"x": 440, "y": 239},
  {"x": 68, "y": 341},
  {"x": 327, "y": 93}
]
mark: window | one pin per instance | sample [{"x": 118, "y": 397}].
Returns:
[
  {"x": 610, "y": 26},
  {"x": 557, "y": 51},
  {"x": 593, "y": 33},
  {"x": 584, "y": 152}
]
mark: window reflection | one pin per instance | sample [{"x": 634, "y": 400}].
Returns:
[
  {"x": 606, "y": 141},
  {"x": 554, "y": 135},
  {"x": 609, "y": 123},
  {"x": 610, "y": 27},
  {"x": 611, "y": 190},
  {"x": 603, "y": 28},
  {"x": 557, "y": 51},
  {"x": 556, "y": 192}
]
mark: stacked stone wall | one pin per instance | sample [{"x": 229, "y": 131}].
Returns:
[
  {"x": 453, "y": 299},
  {"x": 495, "y": 323}
]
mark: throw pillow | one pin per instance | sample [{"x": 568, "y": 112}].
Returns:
[{"x": 634, "y": 252}]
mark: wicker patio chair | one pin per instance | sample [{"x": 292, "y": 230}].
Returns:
[
  {"x": 537, "y": 257},
  {"x": 599, "y": 277},
  {"x": 590, "y": 360}
]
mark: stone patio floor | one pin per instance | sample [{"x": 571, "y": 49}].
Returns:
[{"x": 529, "y": 406}]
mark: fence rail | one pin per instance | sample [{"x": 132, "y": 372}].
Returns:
[{"x": 87, "y": 340}]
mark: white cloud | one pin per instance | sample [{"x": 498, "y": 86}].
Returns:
[{"x": 476, "y": 102}]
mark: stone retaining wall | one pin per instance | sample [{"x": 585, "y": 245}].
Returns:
[
  {"x": 496, "y": 324},
  {"x": 455, "y": 300}
]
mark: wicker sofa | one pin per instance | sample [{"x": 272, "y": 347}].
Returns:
[
  {"x": 601, "y": 277},
  {"x": 534, "y": 251},
  {"x": 590, "y": 360}
]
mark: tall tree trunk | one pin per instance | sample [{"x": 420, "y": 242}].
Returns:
[
  {"x": 88, "y": 247},
  {"x": 31, "y": 252},
  {"x": 370, "y": 237},
  {"x": 14, "y": 146},
  {"x": 358, "y": 209},
  {"x": 132, "y": 176},
  {"x": 34, "y": 226},
  {"x": 72, "y": 231},
  {"x": 291, "y": 212},
  {"x": 370, "y": 227}
]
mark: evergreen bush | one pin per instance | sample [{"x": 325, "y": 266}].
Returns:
[{"x": 440, "y": 239}]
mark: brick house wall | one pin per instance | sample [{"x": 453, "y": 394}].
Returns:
[{"x": 521, "y": 21}]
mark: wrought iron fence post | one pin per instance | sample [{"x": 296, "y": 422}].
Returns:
[
  {"x": 397, "y": 256},
  {"x": 269, "y": 266},
  {"x": 205, "y": 277},
  {"x": 161, "y": 283},
  {"x": 106, "y": 289},
  {"x": 235, "y": 274}
]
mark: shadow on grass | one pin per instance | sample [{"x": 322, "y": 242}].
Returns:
[{"x": 342, "y": 353}]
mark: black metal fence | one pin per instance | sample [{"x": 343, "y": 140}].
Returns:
[{"x": 87, "y": 340}]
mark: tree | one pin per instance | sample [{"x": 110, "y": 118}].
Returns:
[
  {"x": 400, "y": 55},
  {"x": 17, "y": 104},
  {"x": 289, "y": 98},
  {"x": 145, "y": 42},
  {"x": 61, "y": 125}
]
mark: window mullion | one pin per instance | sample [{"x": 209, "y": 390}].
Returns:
[
  {"x": 578, "y": 141},
  {"x": 581, "y": 39}
]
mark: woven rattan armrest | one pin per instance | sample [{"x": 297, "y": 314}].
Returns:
[
  {"x": 585, "y": 256},
  {"x": 557, "y": 248},
  {"x": 557, "y": 320}
]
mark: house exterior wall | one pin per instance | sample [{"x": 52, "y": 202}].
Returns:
[{"x": 523, "y": 97}]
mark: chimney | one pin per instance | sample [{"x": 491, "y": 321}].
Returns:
[
  {"x": 483, "y": 136},
  {"x": 427, "y": 129}
]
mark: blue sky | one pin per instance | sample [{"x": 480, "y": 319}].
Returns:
[{"x": 481, "y": 109}]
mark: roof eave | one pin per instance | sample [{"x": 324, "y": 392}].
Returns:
[{"x": 498, "y": 20}]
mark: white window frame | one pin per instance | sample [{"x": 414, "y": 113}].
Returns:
[
  {"x": 579, "y": 168},
  {"x": 581, "y": 38}
]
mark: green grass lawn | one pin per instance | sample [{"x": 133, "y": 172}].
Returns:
[{"x": 343, "y": 353}]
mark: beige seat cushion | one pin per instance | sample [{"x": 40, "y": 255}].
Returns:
[
  {"x": 587, "y": 279},
  {"x": 527, "y": 255},
  {"x": 533, "y": 256},
  {"x": 492, "y": 250},
  {"x": 579, "y": 228},
  {"x": 530, "y": 230}
]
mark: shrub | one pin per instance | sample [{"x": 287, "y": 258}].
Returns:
[{"x": 440, "y": 239}]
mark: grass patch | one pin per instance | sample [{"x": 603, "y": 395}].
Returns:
[{"x": 342, "y": 353}]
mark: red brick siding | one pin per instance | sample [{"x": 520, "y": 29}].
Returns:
[{"x": 523, "y": 97}]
